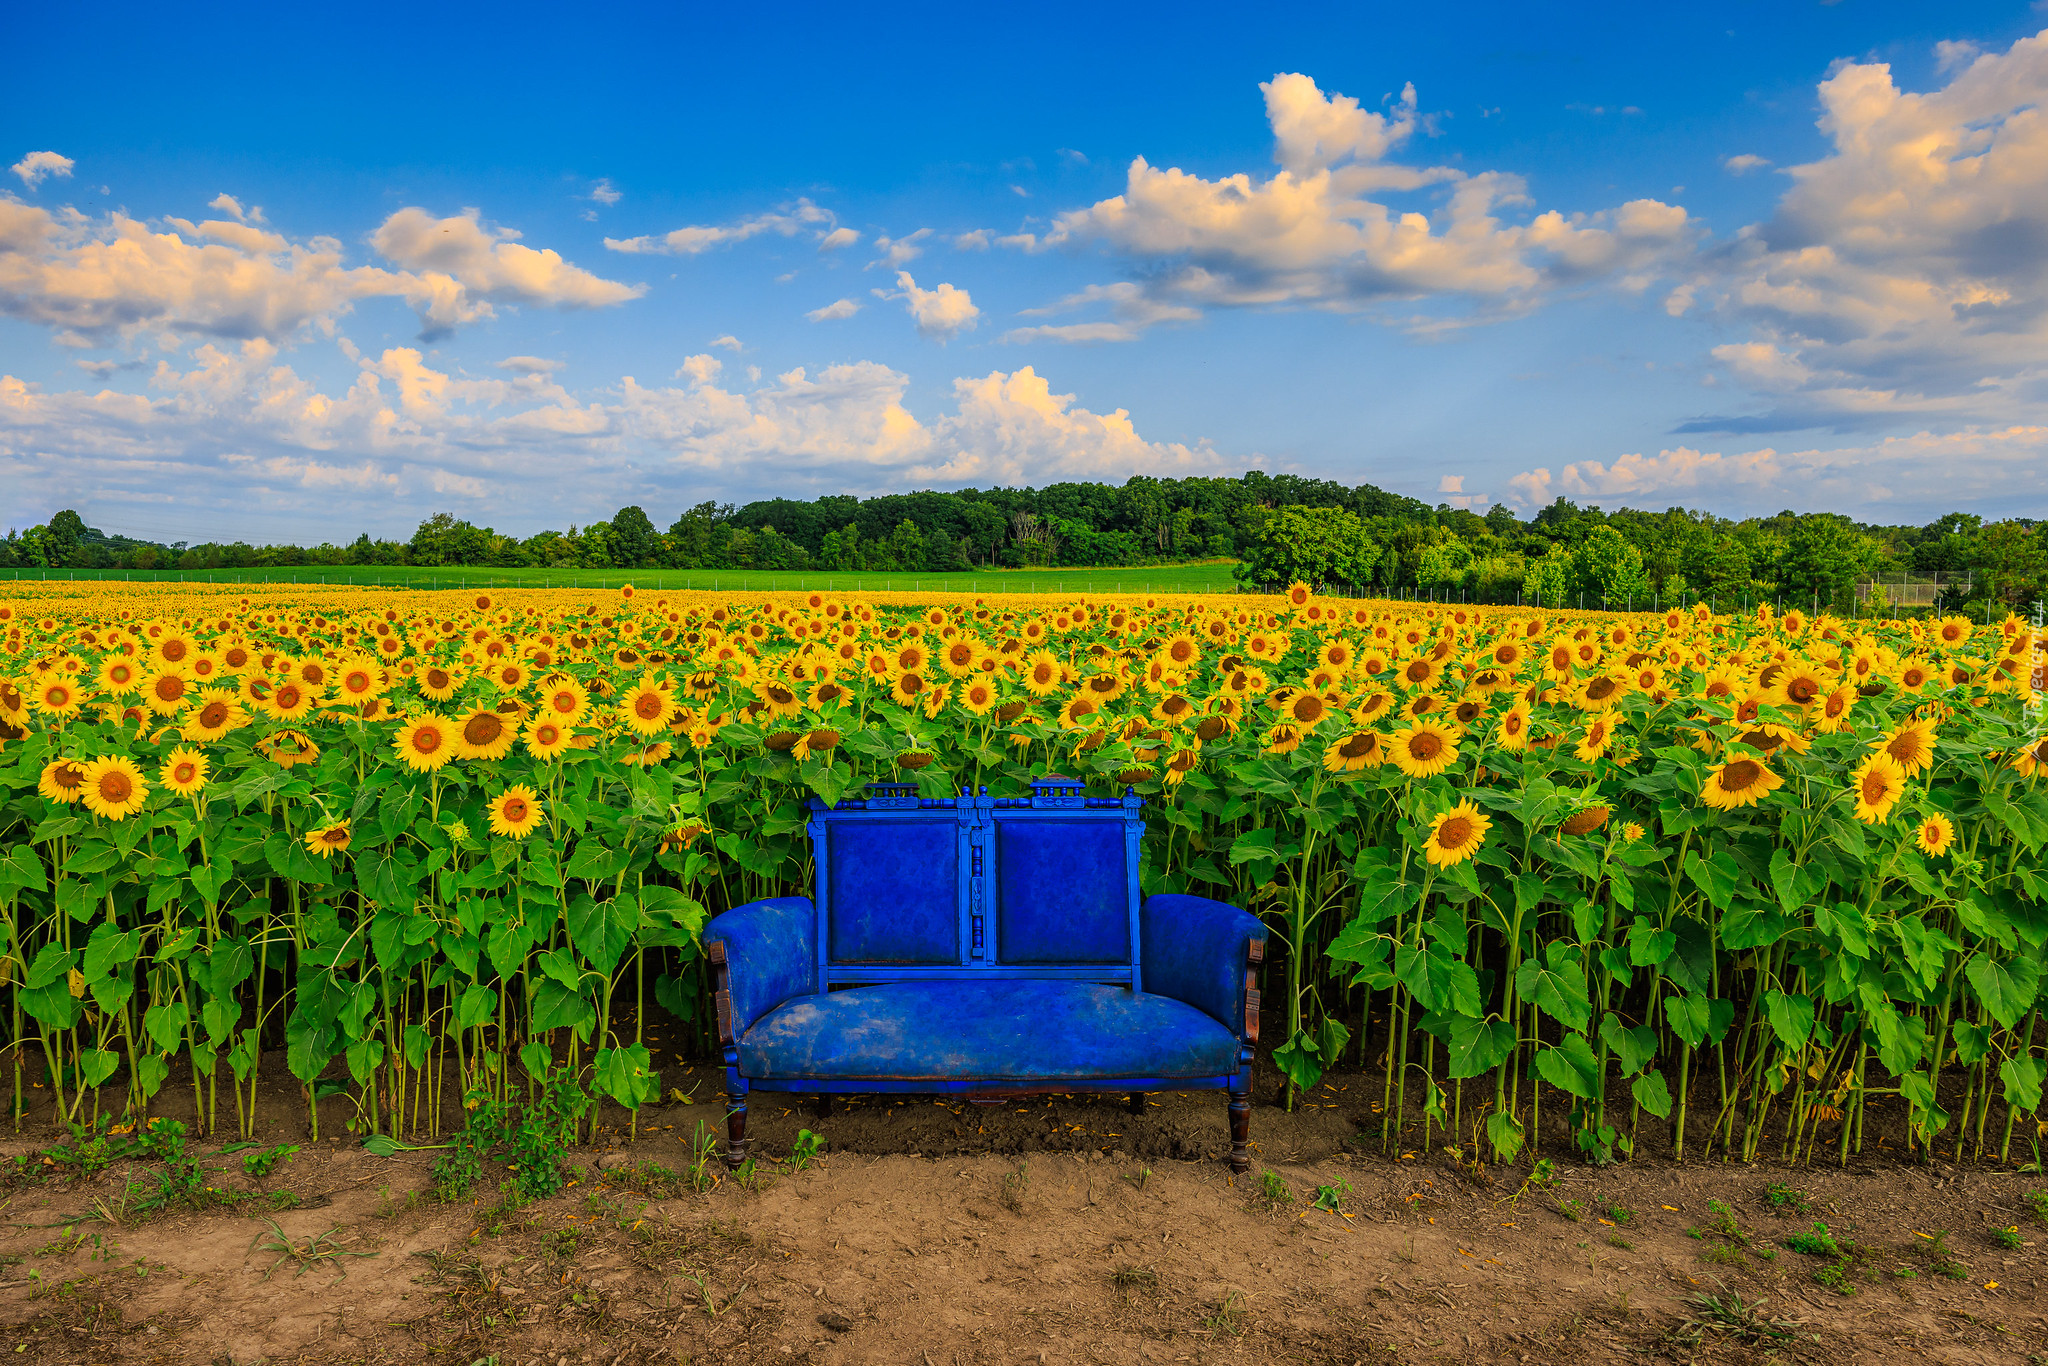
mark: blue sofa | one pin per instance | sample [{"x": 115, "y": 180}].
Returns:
[{"x": 984, "y": 948}]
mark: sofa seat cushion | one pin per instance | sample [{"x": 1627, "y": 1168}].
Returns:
[{"x": 986, "y": 1031}]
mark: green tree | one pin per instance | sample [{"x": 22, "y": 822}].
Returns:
[
  {"x": 1315, "y": 545},
  {"x": 1548, "y": 579},
  {"x": 635, "y": 542},
  {"x": 1822, "y": 560},
  {"x": 1608, "y": 569}
]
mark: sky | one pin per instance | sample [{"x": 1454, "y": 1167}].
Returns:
[{"x": 298, "y": 274}]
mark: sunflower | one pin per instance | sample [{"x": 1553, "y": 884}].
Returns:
[
  {"x": 908, "y": 689},
  {"x": 1880, "y": 782},
  {"x": 647, "y": 706},
  {"x": 425, "y": 743},
  {"x": 978, "y": 696},
  {"x": 290, "y": 700},
  {"x": 647, "y": 755},
  {"x": 183, "y": 771},
  {"x": 57, "y": 696},
  {"x": 1283, "y": 737},
  {"x": 1739, "y": 782},
  {"x": 485, "y": 733},
  {"x": 1455, "y": 835},
  {"x": 1599, "y": 736},
  {"x": 328, "y": 840},
  {"x": 114, "y": 787},
  {"x": 1042, "y": 673},
  {"x": 1419, "y": 672},
  {"x": 1910, "y": 746},
  {"x": 1586, "y": 820},
  {"x": 118, "y": 675},
  {"x": 1361, "y": 749},
  {"x": 546, "y": 739},
  {"x": 1376, "y": 702},
  {"x": 1631, "y": 833},
  {"x": 438, "y": 683},
  {"x": 1513, "y": 731},
  {"x": 288, "y": 748},
  {"x": 1833, "y": 712},
  {"x": 63, "y": 780},
  {"x": 359, "y": 679},
  {"x": 778, "y": 698},
  {"x": 1424, "y": 749},
  {"x": 1079, "y": 713},
  {"x": 2032, "y": 759},
  {"x": 219, "y": 711},
  {"x": 1935, "y": 835},
  {"x": 1181, "y": 650}
]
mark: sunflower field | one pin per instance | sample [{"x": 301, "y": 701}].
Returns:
[{"x": 1724, "y": 883}]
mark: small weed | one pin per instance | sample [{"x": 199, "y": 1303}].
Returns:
[
  {"x": 390, "y": 1206},
  {"x": 752, "y": 1176},
  {"x": 263, "y": 1161},
  {"x": 1015, "y": 1185},
  {"x": 650, "y": 1179},
  {"x": 1229, "y": 1315},
  {"x": 1724, "y": 1254},
  {"x": 1572, "y": 1210},
  {"x": 1784, "y": 1199},
  {"x": 533, "y": 1135},
  {"x": 1941, "y": 1258},
  {"x": 1273, "y": 1190},
  {"x": 1128, "y": 1278},
  {"x": 1332, "y": 1198},
  {"x": 1616, "y": 1240},
  {"x": 2037, "y": 1205},
  {"x": 805, "y": 1150},
  {"x": 710, "y": 1303},
  {"x": 508, "y": 1215},
  {"x": 1818, "y": 1243},
  {"x": 305, "y": 1253},
  {"x": 1721, "y": 1225},
  {"x": 2007, "y": 1238},
  {"x": 1743, "y": 1322},
  {"x": 703, "y": 1173},
  {"x": 1138, "y": 1178},
  {"x": 1621, "y": 1214},
  {"x": 1835, "y": 1276}
]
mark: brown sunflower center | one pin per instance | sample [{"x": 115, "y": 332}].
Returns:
[
  {"x": 1601, "y": 688},
  {"x": 647, "y": 706},
  {"x": 1425, "y": 746},
  {"x": 116, "y": 787},
  {"x": 483, "y": 729},
  {"x": 1741, "y": 775},
  {"x": 174, "y": 650},
  {"x": 515, "y": 809},
  {"x": 1454, "y": 833},
  {"x": 1308, "y": 709},
  {"x": 426, "y": 739}
]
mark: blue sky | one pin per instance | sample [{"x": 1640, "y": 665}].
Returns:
[{"x": 298, "y": 275}]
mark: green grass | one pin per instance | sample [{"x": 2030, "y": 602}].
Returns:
[{"x": 1208, "y": 577}]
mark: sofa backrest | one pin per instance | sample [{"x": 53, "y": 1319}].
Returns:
[{"x": 971, "y": 886}]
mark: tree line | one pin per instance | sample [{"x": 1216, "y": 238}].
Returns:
[{"x": 1279, "y": 527}]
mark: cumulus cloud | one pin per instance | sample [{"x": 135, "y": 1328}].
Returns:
[
  {"x": 37, "y": 166},
  {"x": 729, "y": 342},
  {"x": 237, "y": 435},
  {"x": 529, "y": 365},
  {"x": 1744, "y": 163},
  {"x": 941, "y": 314},
  {"x": 602, "y": 192},
  {"x": 837, "y": 238},
  {"x": 897, "y": 250},
  {"x": 1903, "y": 277},
  {"x": 232, "y": 207},
  {"x": 1341, "y": 226},
  {"x": 230, "y": 278},
  {"x": 841, "y": 308},
  {"x": 803, "y": 216},
  {"x": 1894, "y": 477}
]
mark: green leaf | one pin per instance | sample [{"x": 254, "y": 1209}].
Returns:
[
  {"x": 1632, "y": 1048},
  {"x": 95, "y": 1065},
  {"x": 1687, "y": 1018},
  {"x": 2022, "y": 1074},
  {"x": 165, "y": 1025},
  {"x": 1653, "y": 1094},
  {"x": 1571, "y": 1067},
  {"x": 1300, "y": 1061},
  {"x": 21, "y": 871},
  {"x": 627, "y": 1075},
  {"x": 1557, "y": 987},
  {"x": 1717, "y": 877},
  {"x": 1791, "y": 1018},
  {"x": 555, "y": 1006},
  {"x": 1649, "y": 946},
  {"x": 476, "y": 1005},
  {"x": 1752, "y": 926},
  {"x": 2006, "y": 988},
  {"x": 1478, "y": 1046},
  {"x": 1505, "y": 1134}
]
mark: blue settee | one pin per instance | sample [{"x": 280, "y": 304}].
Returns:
[{"x": 984, "y": 948}]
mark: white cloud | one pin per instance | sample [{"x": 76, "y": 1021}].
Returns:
[
  {"x": 897, "y": 250},
  {"x": 1325, "y": 232},
  {"x": 603, "y": 192},
  {"x": 529, "y": 365},
  {"x": 239, "y": 439},
  {"x": 36, "y": 166},
  {"x": 941, "y": 313},
  {"x": 1451, "y": 483},
  {"x": 1905, "y": 476},
  {"x": 1072, "y": 157},
  {"x": 700, "y": 369},
  {"x": 837, "y": 238},
  {"x": 229, "y": 278},
  {"x": 729, "y": 342},
  {"x": 972, "y": 241},
  {"x": 1744, "y": 163},
  {"x": 1903, "y": 277},
  {"x": 1132, "y": 309},
  {"x": 1950, "y": 55},
  {"x": 232, "y": 207},
  {"x": 842, "y": 308},
  {"x": 800, "y": 217}
]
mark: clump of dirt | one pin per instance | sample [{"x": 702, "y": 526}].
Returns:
[{"x": 1066, "y": 1232}]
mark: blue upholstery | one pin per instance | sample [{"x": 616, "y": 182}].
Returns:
[
  {"x": 772, "y": 948},
  {"x": 996, "y": 1031},
  {"x": 1194, "y": 951},
  {"x": 1062, "y": 891},
  {"x": 893, "y": 890}
]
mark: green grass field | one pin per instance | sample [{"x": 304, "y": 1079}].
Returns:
[{"x": 1208, "y": 577}]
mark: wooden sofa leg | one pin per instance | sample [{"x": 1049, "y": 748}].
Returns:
[
  {"x": 1137, "y": 1105},
  {"x": 735, "y": 1123},
  {"x": 822, "y": 1107},
  {"x": 1240, "y": 1130}
]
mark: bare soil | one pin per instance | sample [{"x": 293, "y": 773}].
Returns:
[{"x": 1061, "y": 1231}]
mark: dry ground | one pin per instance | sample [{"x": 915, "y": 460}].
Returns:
[{"x": 1070, "y": 1232}]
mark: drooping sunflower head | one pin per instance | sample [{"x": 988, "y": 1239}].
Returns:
[
  {"x": 1586, "y": 820},
  {"x": 63, "y": 780},
  {"x": 288, "y": 748},
  {"x": 328, "y": 840},
  {"x": 1742, "y": 781},
  {"x": 1362, "y": 749},
  {"x": 1455, "y": 835},
  {"x": 484, "y": 733},
  {"x": 1283, "y": 737},
  {"x": 1910, "y": 746}
]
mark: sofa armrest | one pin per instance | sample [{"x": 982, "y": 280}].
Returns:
[
  {"x": 761, "y": 954},
  {"x": 1205, "y": 953}
]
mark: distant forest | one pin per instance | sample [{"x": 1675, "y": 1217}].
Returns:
[{"x": 1386, "y": 542}]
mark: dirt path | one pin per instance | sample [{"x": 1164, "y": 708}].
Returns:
[{"x": 1017, "y": 1254}]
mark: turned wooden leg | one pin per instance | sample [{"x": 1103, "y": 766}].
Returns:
[
  {"x": 1137, "y": 1105},
  {"x": 735, "y": 1122},
  {"x": 1240, "y": 1130},
  {"x": 821, "y": 1108}
]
